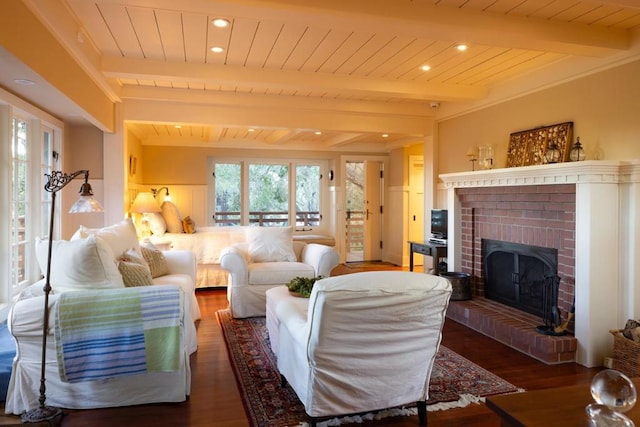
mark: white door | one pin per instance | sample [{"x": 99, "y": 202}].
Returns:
[
  {"x": 373, "y": 211},
  {"x": 416, "y": 202},
  {"x": 364, "y": 211}
]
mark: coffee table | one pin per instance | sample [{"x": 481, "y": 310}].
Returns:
[{"x": 561, "y": 406}]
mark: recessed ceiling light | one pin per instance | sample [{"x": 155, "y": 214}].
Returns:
[
  {"x": 24, "y": 82},
  {"x": 318, "y": 132},
  {"x": 178, "y": 127},
  {"x": 425, "y": 67},
  {"x": 221, "y": 22},
  {"x": 251, "y": 130},
  {"x": 462, "y": 47},
  {"x": 217, "y": 49},
  {"x": 385, "y": 135}
]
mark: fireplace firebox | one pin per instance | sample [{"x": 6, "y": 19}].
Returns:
[{"x": 515, "y": 274}]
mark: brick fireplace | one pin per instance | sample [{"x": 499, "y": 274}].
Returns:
[
  {"x": 540, "y": 215},
  {"x": 588, "y": 211}
]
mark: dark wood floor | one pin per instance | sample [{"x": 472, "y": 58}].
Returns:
[{"x": 215, "y": 400}]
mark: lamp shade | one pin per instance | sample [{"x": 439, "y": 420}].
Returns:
[
  {"x": 145, "y": 203},
  {"x": 86, "y": 203}
]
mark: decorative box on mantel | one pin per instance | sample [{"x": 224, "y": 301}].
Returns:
[{"x": 607, "y": 239}]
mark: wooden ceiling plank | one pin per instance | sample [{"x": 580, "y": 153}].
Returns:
[
  {"x": 351, "y": 45},
  {"x": 170, "y": 27},
  {"x": 463, "y": 64},
  {"x": 621, "y": 18},
  {"x": 284, "y": 45},
  {"x": 88, "y": 12},
  {"x": 307, "y": 45},
  {"x": 524, "y": 66},
  {"x": 412, "y": 53},
  {"x": 505, "y": 67},
  {"x": 147, "y": 32},
  {"x": 325, "y": 49},
  {"x": 384, "y": 56},
  {"x": 576, "y": 11},
  {"x": 261, "y": 36},
  {"x": 244, "y": 42},
  {"x": 366, "y": 54},
  {"x": 436, "y": 54},
  {"x": 117, "y": 20},
  {"x": 194, "y": 28},
  {"x": 529, "y": 7}
]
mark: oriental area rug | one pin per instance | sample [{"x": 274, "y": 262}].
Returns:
[{"x": 455, "y": 381}]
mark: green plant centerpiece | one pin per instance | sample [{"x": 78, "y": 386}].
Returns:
[{"x": 302, "y": 286}]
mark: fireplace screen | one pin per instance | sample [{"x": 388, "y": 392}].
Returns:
[{"x": 515, "y": 274}]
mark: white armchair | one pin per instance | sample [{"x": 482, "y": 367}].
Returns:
[
  {"x": 363, "y": 342},
  {"x": 248, "y": 280}
]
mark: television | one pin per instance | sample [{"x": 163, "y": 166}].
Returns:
[{"x": 439, "y": 224}]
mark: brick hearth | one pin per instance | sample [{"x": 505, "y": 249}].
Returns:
[{"x": 514, "y": 328}]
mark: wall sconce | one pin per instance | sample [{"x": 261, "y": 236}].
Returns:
[
  {"x": 143, "y": 204},
  {"x": 552, "y": 154},
  {"x": 167, "y": 197},
  {"x": 85, "y": 204},
  {"x": 471, "y": 154},
  {"x": 577, "y": 152}
]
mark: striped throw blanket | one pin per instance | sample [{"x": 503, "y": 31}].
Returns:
[{"x": 116, "y": 332}]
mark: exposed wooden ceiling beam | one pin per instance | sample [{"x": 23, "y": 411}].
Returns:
[
  {"x": 419, "y": 19},
  {"x": 215, "y": 75}
]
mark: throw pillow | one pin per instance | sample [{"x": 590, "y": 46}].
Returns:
[
  {"x": 155, "y": 259},
  {"x": 270, "y": 244},
  {"x": 172, "y": 217},
  {"x": 77, "y": 265},
  {"x": 120, "y": 236},
  {"x": 135, "y": 274},
  {"x": 189, "y": 225},
  {"x": 157, "y": 223}
]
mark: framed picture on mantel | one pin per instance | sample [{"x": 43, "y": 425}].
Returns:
[{"x": 528, "y": 147}]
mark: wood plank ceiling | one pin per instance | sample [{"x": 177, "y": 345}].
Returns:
[{"x": 343, "y": 68}]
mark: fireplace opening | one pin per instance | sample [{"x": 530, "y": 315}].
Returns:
[{"x": 515, "y": 275}]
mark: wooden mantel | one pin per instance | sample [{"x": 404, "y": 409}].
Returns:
[{"x": 607, "y": 240}]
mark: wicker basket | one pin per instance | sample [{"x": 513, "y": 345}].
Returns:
[{"x": 626, "y": 354}]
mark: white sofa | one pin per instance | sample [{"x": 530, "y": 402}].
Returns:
[
  {"x": 250, "y": 276},
  {"x": 361, "y": 342},
  {"x": 25, "y": 323}
]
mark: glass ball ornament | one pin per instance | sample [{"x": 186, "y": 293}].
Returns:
[
  {"x": 613, "y": 389},
  {"x": 602, "y": 416}
]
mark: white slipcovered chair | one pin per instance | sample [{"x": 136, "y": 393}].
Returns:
[
  {"x": 267, "y": 259},
  {"x": 362, "y": 342}
]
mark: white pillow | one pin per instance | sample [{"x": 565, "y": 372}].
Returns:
[
  {"x": 270, "y": 244},
  {"x": 78, "y": 265},
  {"x": 157, "y": 223},
  {"x": 172, "y": 217},
  {"x": 120, "y": 236}
]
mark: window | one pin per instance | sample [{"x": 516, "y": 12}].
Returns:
[
  {"x": 19, "y": 206},
  {"x": 27, "y": 143},
  {"x": 268, "y": 193}
]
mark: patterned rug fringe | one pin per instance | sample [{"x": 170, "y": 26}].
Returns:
[{"x": 465, "y": 400}]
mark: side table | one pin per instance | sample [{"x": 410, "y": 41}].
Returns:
[{"x": 436, "y": 251}]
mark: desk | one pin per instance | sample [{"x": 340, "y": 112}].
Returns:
[
  {"x": 434, "y": 250},
  {"x": 561, "y": 406}
]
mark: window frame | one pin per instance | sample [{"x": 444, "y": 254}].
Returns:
[
  {"x": 37, "y": 200},
  {"x": 291, "y": 163}
]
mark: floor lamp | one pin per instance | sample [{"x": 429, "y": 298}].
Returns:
[{"x": 86, "y": 203}]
